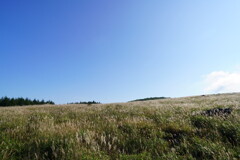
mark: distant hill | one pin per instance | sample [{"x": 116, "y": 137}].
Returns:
[{"x": 150, "y": 98}]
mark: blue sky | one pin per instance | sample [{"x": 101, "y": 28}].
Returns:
[{"x": 115, "y": 51}]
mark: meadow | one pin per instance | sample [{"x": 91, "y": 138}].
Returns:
[{"x": 165, "y": 129}]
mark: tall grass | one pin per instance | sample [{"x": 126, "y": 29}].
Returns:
[{"x": 160, "y": 129}]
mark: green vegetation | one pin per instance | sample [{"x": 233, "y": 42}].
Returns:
[
  {"x": 5, "y": 101},
  {"x": 150, "y": 98},
  {"x": 169, "y": 129},
  {"x": 89, "y": 102}
]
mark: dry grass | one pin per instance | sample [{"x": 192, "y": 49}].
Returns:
[{"x": 158, "y": 129}]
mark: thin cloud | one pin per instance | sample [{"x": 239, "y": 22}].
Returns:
[{"x": 221, "y": 81}]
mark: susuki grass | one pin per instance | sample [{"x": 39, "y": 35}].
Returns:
[{"x": 159, "y": 129}]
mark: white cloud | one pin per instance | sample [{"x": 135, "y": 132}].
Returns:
[{"x": 221, "y": 81}]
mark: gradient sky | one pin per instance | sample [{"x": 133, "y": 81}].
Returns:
[{"x": 114, "y": 50}]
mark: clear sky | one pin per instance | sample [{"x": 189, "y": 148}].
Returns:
[{"x": 115, "y": 50}]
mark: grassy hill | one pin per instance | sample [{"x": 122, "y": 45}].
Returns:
[{"x": 158, "y": 129}]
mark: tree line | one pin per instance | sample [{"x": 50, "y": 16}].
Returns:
[
  {"x": 6, "y": 101},
  {"x": 89, "y": 102},
  {"x": 148, "y": 99}
]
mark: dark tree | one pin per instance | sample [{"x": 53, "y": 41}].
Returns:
[
  {"x": 5, "y": 101},
  {"x": 86, "y": 102}
]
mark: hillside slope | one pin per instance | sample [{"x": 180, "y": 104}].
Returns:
[{"x": 173, "y": 128}]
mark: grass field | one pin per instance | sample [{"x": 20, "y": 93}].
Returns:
[{"x": 165, "y": 129}]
